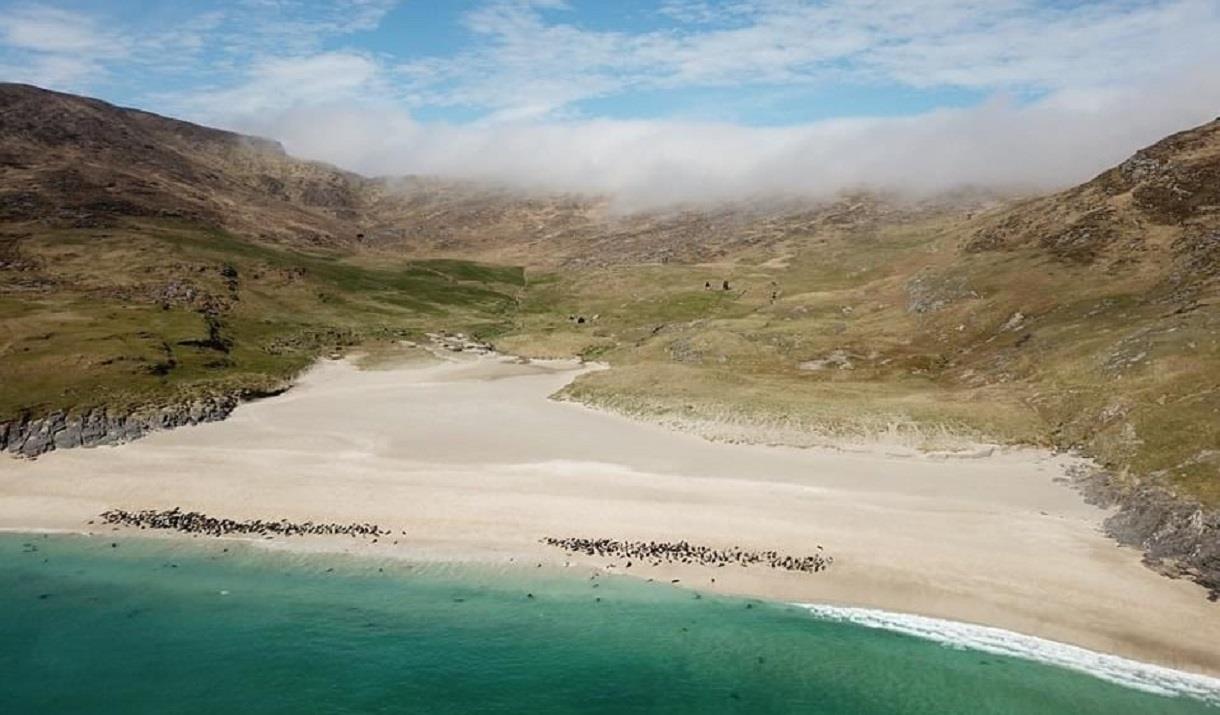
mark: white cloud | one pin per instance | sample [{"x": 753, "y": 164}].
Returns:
[
  {"x": 51, "y": 71},
  {"x": 222, "y": 42},
  {"x": 254, "y": 28},
  {"x": 704, "y": 12},
  {"x": 51, "y": 30},
  {"x": 278, "y": 83},
  {"x": 531, "y": 57},
  {"x": 56, "y": 48}
]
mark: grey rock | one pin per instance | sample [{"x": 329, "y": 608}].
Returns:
[
  {"x": 1178, "y": 536},
  {"x": 69, "y": 436},
  {"x": 35, "y": 443},
  {"x": 929, "y": 292},
  {"x": 93, "y": 427},
  {"x": 28, "y": 437}
]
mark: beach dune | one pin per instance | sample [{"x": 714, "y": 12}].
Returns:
[{"x": 470, "y": 459}]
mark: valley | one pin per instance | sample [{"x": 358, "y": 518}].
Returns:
[{"x": 147, "y": 263}]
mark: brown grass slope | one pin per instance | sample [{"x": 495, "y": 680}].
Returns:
[
  {"x": 69, "y": 161},
  {"x": 1142, "y": 244},
  {"x": 575, "y": 232}
]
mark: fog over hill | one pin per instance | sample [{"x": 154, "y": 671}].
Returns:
[{"x": 1006, "y": 145}]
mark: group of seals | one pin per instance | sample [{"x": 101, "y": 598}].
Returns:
[
  {"x": 197, "y": 523},
  {"x": 654, "y": 552},
  {"x": 658, "y": 552}
]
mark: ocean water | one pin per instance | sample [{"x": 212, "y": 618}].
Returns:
[{"x": 174, "y": 626}]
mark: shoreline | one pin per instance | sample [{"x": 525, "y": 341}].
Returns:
[
  {"x": 956, "y": 634},
  {"x": 476, "y": 464}
]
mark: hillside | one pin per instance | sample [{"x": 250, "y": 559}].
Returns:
[
  {"x": 146, "y": 261},
  {"x": 574, "y": 232},
  {"x": 1083, "y": 319}
]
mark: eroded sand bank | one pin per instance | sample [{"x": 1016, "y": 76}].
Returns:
[{"x": 473, "y": 461}]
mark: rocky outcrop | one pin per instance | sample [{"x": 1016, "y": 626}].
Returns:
[
  {"x": 929, "y": 291},
  {"x": 30, "y": 437},
  {"x": 459, "y": 343},
  {"x": 1179, "y": 537}
]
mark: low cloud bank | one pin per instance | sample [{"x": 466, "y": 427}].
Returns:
[{"x": 1052, "y": 142}]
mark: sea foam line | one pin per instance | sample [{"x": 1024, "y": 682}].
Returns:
[{"x": 997, "y": 641}]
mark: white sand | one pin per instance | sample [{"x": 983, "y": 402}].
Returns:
[{"x": 474, "y": 462}]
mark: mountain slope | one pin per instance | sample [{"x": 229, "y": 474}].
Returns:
[
  {"x": 1161, "y": 205},
  {"x": 1085, "y": 319},
  {"x": 75, "y": 162}
]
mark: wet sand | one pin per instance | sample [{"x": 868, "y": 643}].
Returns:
[{"x": 473, "y": 462}]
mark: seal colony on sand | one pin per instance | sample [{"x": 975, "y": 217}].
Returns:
[
  {"x": 654, "y": 552},
  {"x": 193, "y": 522},
  {"x": 658, "y": 552}
]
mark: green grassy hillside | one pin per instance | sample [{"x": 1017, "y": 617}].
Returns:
[{"x": 157, "y": 310}]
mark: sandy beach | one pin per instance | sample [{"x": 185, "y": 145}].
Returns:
[{"x": 473, "y": 462}]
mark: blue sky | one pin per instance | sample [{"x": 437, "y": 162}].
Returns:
[{"x": 483, "y": 73}]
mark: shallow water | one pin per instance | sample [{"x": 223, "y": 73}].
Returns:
[{"x": 168, "y": 626}]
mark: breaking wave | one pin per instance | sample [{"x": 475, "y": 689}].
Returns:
[{"x": 1116, "y": 669}]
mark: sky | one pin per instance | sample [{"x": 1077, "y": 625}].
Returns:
[{"x": 654, "y": 102}]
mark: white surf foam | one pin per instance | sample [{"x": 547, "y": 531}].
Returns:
[{"x": 1116, "y": 669}]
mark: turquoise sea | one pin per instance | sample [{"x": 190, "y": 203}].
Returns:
[{"x": 175, "y": 626}]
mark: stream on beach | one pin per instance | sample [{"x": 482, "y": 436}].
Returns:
[{"x": 140, "y": 625}]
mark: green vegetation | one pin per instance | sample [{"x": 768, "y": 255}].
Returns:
[{"x": 158, "y": 311}]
